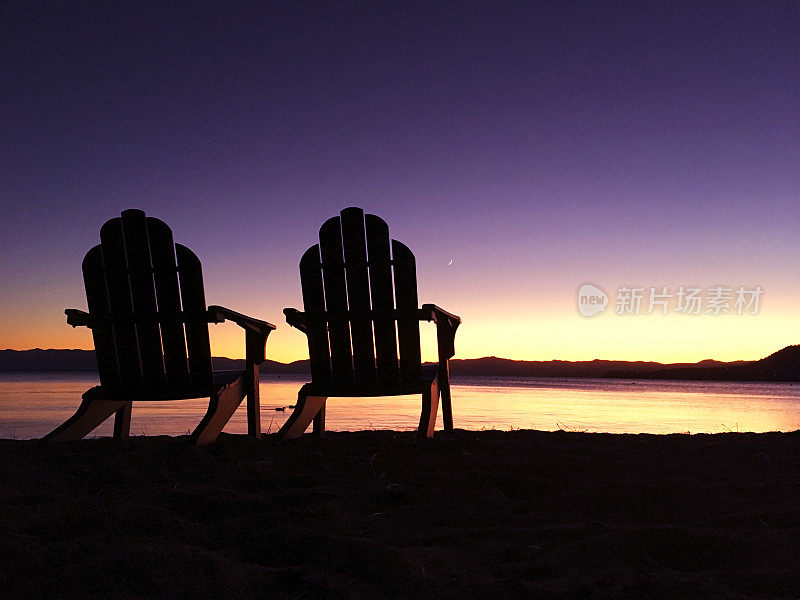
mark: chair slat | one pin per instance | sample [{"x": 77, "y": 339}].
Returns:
[
  {"x": 165, "y": 273},
  {"x": 314, "y": 307},
  {"x": 333, "y": 278},
  {"x": 193, "y": 299},
  {"x": 405, "y": 282},
  {"x": 143, "y": 293},
  {"x": 358, "y": 300},
  {"x": 102, "y": 331},
  {"x": 119, "y": 295},
  {"x": 380, "y": 278}
]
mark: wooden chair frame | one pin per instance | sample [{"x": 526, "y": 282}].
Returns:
[
  {"x": 149, "y": 322},
  {"x": 362, "y": 319}
]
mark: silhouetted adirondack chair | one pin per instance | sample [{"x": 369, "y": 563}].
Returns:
[
  {"x": 149, "y": 321},
  {"x": 356, "y": 321}
]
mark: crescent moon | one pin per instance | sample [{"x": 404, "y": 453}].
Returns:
[{"x": 450, "y": 263}]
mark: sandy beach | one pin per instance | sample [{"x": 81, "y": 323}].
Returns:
[{"x": 376, "y": 515}]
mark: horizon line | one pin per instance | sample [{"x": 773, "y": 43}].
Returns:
[{"x": 461, "y": 359}]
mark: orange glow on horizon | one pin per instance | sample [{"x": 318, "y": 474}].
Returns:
[{"x": 561, "y": 336}]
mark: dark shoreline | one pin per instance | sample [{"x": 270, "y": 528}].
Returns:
[
  {"x": 376, "y": 515},
  {"x": 783, "y": 365}
]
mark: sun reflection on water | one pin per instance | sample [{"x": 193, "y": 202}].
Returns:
[{"x": 31, "y": 404}]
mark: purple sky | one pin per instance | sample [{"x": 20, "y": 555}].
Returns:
[{"x": 537, "y": 146}]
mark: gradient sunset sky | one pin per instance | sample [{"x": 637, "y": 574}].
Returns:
[{"x": 536, "y": 146}]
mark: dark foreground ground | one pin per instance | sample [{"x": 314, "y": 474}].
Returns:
[{"x": 519, "y": 514}]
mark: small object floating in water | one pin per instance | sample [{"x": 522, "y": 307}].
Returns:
[
  {"x": 280, "y": 408},
  {"x": 291, "y": 406}
]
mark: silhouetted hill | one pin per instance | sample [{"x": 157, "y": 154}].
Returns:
[
  {"x": 503, "y": 367},
  {"x": 47, "y": 360},
  {"x": 783, "y": 365},
  {"x": 298, "y": 367},
  {"x": 83, "y": 360}
]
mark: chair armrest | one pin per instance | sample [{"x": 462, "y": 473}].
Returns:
[
  {"x": 77, "y": 318},
  {"x": 296, "y": 319},
  {"x": 431, "y": 312},
  {"x": 219, "y": 314},
  {"x": 446, "y": 326},
  {"x": 256, "y": 331}
]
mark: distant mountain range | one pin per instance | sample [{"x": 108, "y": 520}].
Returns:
[{"x": 783, "y": 365}]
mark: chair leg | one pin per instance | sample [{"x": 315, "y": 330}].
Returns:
[
  {"x": 221, "y": 406},
  {"x": 430, "y": 405},
  {"x": 319, "y": 422},
  {"x": 253, "y": 401},
  {"x": 94, "y": 409},
  {"x": 306, "y": 410},
  {"x": 444, "y": 391},
  {"x": 122, "y": 422}
]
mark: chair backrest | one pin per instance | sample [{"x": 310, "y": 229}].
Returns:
[
  {"x": 360, "y": 298},
  {"x": 148, "y": 311}
]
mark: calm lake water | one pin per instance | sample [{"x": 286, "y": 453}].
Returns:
[{"x": 31, "y": 404}]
